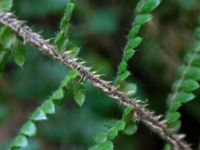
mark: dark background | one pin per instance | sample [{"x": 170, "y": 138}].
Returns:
[{"x": 100, "y": 28}]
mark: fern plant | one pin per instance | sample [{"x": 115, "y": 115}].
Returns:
[
  {"x": 15, "y": 34},
  {"x": 188, "y": 75}
]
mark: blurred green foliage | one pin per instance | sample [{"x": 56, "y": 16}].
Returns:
[{"x": 100, "y": 29}]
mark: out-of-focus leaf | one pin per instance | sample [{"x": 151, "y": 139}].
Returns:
[
  {"x": 5, "y": 5},
  {"x": 19, "y": 54},
  {"x": 79, "y": 94},
  {"x": 28, "y": 129}
]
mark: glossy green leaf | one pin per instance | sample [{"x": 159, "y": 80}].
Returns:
[
  {"x": 142, "y": 19},
  {"x": 134, "y": 31},
  {"x": 184, "y": 97},
  {"x": 146, "y": 6},
  {"x": 38, "y": 115},
  {"x": 58, "y": 94},
  {"x": 20, "y": 142},
  {"x": 28, "y": 129},
  {"x": 189, "y": 85},
  {"x": 128, "y": 54},
  {"x": 134, "y": 43},
  {"x": 192, "y": 73},
  {"x": 172, "y": 117},
  {"x": 122, "y": 67},
  {"x": 48, "y": 107},
  {"x": 7, "y": 37},
  {"x": 123, "y": 76}
]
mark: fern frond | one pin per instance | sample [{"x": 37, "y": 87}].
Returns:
[
  {"x": 62, "y": 37},
  {"x": 48, "y": 107},
  {"x": 143, "y": 10},
  {"x": 29, "y": 129},
  {"x": 188, "y": 75},
  {"x": 62, "y": 42},
  {"x": 144, "y": 115},
  {"x": 104, "y": 139},
  {"x": 10, "y": 45},
  {"x": 143, "y": 15}
]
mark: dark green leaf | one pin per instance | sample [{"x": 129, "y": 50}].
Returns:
[
  {"x": 184, "y": 97},
  {"x": 146, "y": 6},
  {"x": 189, "y": 85},
  {"x": 19, "y": 54},
  {"x": 142, "y": 19},
  {"x": 172, "y": 117},
  {"x": 192, "y": 73},
  {"x": 58, "y": 94},
  {"x": 79, "y": 94}
]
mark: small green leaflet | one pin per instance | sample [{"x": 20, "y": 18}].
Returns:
[
  {"x": 188, "y": 75},
  {"x": 79, "y": 95},
  {"x": 107, "y": 145},
  {"x": 20, "y": 142},
  {"x": 38, "y": 115},
  {"x": 131, "y": 126},
  {"x": 28, "y": 129},
  {"x": 7, "y": 37},
  {"x": 19, "y": 53},
  {"x": 146, "y": 6},
  {"x": 48, "y": 107},
  {"x": 104, "y": 139}
]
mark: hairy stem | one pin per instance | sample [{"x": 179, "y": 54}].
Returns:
[{"x": 140, "y": 112}]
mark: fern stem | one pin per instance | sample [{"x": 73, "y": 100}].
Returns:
[
  {"x": 189, "y": 64},
  {"x": 143, "y": 16},
  {"x": 140, "y": 111},
  {"x": 41, "y": 113}
]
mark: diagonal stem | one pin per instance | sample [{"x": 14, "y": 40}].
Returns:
[{"x": 140, "y": 112}]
